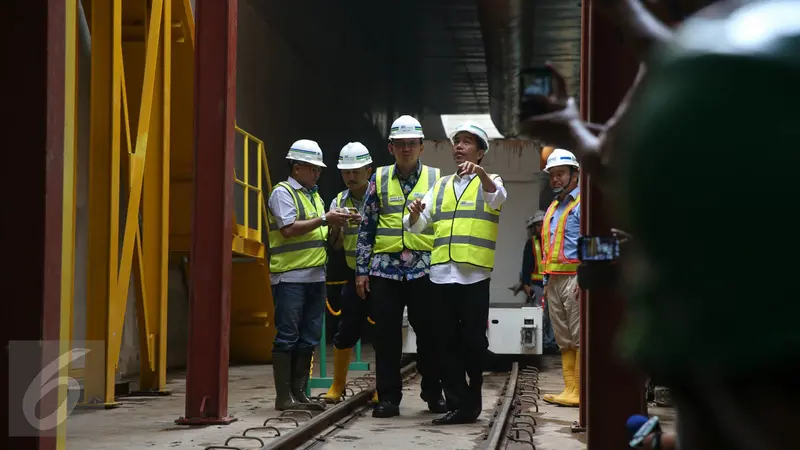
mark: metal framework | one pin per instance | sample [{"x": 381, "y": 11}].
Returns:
[
  {"x": 129, "y": 182},
  {"x": 212, "y": 221},
  {"x": 610, "y": 391},
  {"x": 32, "y": 191},
  {"x": 248, "y": 236}
]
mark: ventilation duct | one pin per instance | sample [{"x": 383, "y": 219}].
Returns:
[{"x": 501, "y": 26}]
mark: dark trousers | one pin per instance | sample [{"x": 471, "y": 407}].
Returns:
[
  {"x": 353, "y": 319},
  {"x": 390, "y": 297},
  {"x": 464, "y": 344}
]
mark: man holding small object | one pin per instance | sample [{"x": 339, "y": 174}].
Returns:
[
  {"x": 464, "y": 211},
  {"x": 355, "y": 166},
  {"x": 560, "y": 235},
  {"x": 298, "y": 231}
]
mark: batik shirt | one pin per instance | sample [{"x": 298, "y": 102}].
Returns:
[{"x": 407, "y": 264}]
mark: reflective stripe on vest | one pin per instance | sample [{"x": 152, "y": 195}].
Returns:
[
  {"x": 350, "y": 230},
  {"x": 299, "y": 252},
  {"x": 465, "y": 229},
  {"x": 390, "y": 236},
  {"x": 537, "y": 274},
  {"x": 554, "y": 261}
]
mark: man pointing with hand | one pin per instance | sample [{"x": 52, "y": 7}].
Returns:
[{"x": 464, "y": 210}]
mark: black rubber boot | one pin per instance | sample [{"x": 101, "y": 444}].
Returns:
[
  {"x": 282, "y": 372},
  {"x": 300, "y": 373}
]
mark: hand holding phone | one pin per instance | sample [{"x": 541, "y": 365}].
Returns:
[
  {"x": 355, "y": 216},
  {"x": 542, "y": 91}
]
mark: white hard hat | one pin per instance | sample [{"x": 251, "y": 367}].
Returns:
[
  {"x": 536, "y": 218},
  {"x": 472, "y": 128},
  {"x": 353, "y": 156},
  {"x": 561, "y": 157},
  {"x": 406, "y": 127},
  {"x": 306, "y": 150}
]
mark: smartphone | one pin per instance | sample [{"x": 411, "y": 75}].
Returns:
[
  {"x": 536, "y": 84},
  {"x": 598, "y": 248}
]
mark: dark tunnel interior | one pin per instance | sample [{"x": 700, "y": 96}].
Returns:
[{"x": 337, "y": 72}]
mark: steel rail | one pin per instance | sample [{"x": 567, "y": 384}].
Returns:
[
  {"x": 497, "y": 433},
  {"x": 318, "y": 424}
]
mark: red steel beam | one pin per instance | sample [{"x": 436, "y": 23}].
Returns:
[
  {"x": 31, "y": 191},
  {"x": 612, "y": 391},
  {"x": 583, "y": 103},
  {"x": 212, "y": 215}
]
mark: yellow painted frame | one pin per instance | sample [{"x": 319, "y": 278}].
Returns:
[
  {"x": 144, "y": 248},
  {"x": 247, "y": 241},
  {"x": 69, "y": 196}
]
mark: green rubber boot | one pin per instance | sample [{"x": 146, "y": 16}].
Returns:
[
  {"x": 300, "y": 374},
  {"x": 282, "y": 373}
]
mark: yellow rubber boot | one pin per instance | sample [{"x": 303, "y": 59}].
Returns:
[
  {"x": 341, "y": 363},
  {"x": 573, "y": 398},
  {"x": 568, "y": 371}
]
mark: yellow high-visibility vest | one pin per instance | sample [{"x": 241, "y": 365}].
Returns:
[
  {"x": 350, "y": 230},
  {"x": 465, "y": 229},
  {"x": 554, "y": 260},
  {"x": 390, "y": 237},
  {"x": 299, "y": 252},
  {"x": 537, "y": 274}
]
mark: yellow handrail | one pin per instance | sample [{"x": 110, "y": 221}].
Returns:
[{"x": 262, "y": 170}]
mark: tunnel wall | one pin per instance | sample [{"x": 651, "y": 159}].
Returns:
[{"x": 317, "y": 70}]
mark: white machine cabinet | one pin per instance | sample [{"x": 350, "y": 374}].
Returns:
[{"x": 513, "y": 329}]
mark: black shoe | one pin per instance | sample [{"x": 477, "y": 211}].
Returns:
[
  {"x": 385, "y": 410},
  {"x": 438, "y": 406},
  {"x": 456, "y": 417},
  {"x": 436, "y": 403}
]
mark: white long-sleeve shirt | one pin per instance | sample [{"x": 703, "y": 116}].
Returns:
[{"x": 454, "y": 272}]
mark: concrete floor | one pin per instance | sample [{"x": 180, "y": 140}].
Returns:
[
  {"x": 413, "y": 428},
  {"x": 148, "y": 422},
  {"x": 553, "y": 431}
]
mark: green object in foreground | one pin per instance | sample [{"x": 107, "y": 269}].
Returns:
[
  {"x": 706, "y": 158},
  {"x": 323, "y": 381},
  {"x": 358, "y": 364}
]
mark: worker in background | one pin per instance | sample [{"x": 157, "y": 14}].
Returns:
[
  {"x": 298, "y": 231},
  {"x": 355, "y": 166},
  {"x": 731, "y": 391},
  {"x": 560, "y": 233},
  {"x": 394, "y": 266},
  {"x": 463, "y": 210},
  {"x": 532, "y": 276}
]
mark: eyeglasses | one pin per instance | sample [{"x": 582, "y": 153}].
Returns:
[
  {"x": 310, "y": 166},
  {"x": 405, "y": 144}
]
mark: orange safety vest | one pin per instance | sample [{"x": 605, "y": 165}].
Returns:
[
  {"x": 536, "y": 246},
  {"x": 555, "y": 262}
]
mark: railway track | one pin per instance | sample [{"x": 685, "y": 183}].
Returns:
[{"x": 348, "y": 424}]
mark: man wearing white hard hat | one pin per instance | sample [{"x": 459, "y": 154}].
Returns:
[
  {"x": 560, "y": 232},
  {"x": 394, "y": 266},
  {"x": 298, "y": 232},
  {"x": 355, "y": 165},
  {"x": 463, "y": 211}
]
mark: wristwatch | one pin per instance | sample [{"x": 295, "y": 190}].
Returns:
[{"x": 324, "y": 220}]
